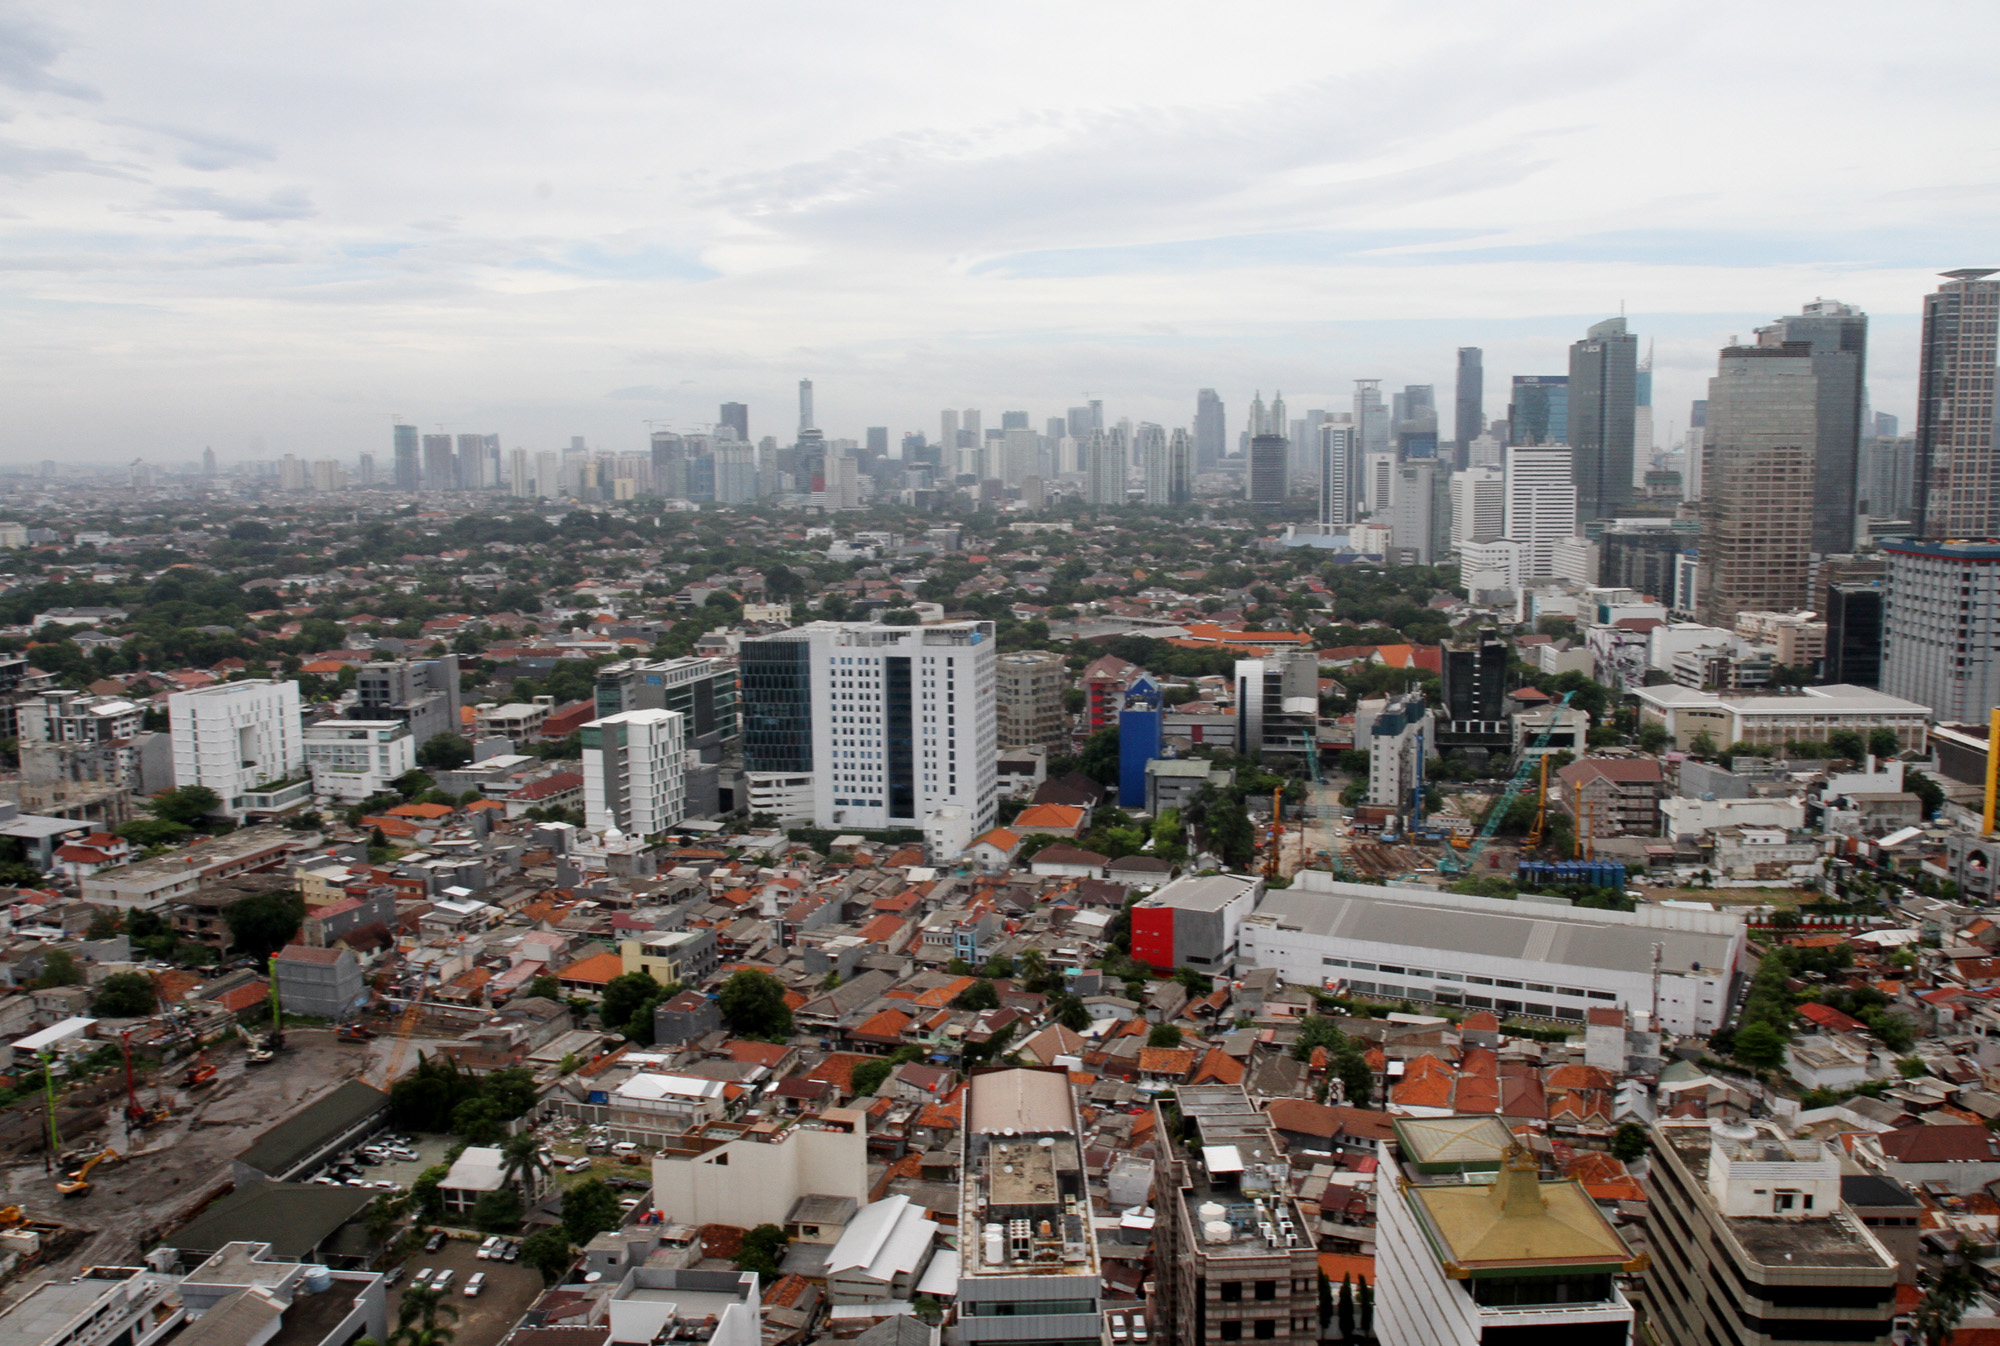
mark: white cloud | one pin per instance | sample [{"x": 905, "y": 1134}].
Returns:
[{"x": 283, "y": 223}]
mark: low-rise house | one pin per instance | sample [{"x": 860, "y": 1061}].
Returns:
[
  {"x": 1961, "y": 1159},
  {"x": 326, "y": 983}
]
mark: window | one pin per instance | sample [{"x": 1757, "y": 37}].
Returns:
[
  {"x": 1232, "y": 1292},
  {"x": 1267, "y": 1289},
  {"x": 1232, "y": 1331},
  {"x": 1265, "y": 1329},
  {"x": 1602, "y": 995}
]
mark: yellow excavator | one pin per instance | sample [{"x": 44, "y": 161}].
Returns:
[{"x": 77, "y": 1183}]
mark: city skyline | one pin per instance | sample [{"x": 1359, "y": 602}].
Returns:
[{"x": 215, "y": 243}]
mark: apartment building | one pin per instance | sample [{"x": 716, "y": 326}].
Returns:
[
  {"x": 635, "y": 772},
  {"x": 702, "y": 690},
  {"x": 354, "y": 760},
  {"x": 1029, "y": 687},
  {"x": 1235, "y": 1257},
  {"x": 243, "y": 741}
]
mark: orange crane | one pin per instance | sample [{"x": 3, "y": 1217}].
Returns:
[
  {"x": 137, "y": 1114},
  {"x": 1277, "y": 831},
  {"x": 405, "y": 1026},
  {"x": 1541, "y": 806}
]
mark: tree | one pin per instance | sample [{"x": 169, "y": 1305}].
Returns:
[
  {"x": 1937, "y": 1313},
  {"x": 1929, "y": 794},
  {"x": 547, "y": 987},
  {"x": 1629, "y": 1142},
  {"x": 1164, "y": 1035},
  {"x": 521, "y": 1162},
  {"x": 444, "y": 752},
  {"x": 264, "y": 923},
  {"x": 588, "y": 1209},
  {"x": 1654, "y": 738},
  {"x": 1702, "y": 745},
  {"x": 867, "y": 1077},
  {"x": 753, "y": 1005},
  {"x": 763, "y": 1247},
  {"x": 103, "y": 924},
  {"x": 1226, "y": 831},
  {"x": 623, "y": 995},
  {"x": 59, "y": 969},
  {"x": 143, "y": 832},
  {"x": 1882, "y": 741},
  {"x": 978, "y": 996},
  {"x": 1893, "y": 1029},
  {"x": 424, "y": 1318},
  {"x": 425, "y": 1198},
  {"x": 498, "y": 1212},
  {"x": 1761, "y": 1046},
  {"x": 1099, "y": 758},
  {"x": 123, "y": 995},
  {"x": 477, "y": 1121},
  {"x": 1846, "y": 743},
  {"x": 1357, "y": 1077},
  {"x": 1071, "y": 1012},
  {"x": 548, "y": 1251},
  {"x": 188, "y": 805}
]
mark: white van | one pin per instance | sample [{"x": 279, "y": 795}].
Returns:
[
  {"x": 475, "y": 1285},
  {"x": 443, "y": 1280},
  {"x": 485, "y": 1253}
]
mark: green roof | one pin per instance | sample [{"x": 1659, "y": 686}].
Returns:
[
  {"x": 295, "y": 1218},
  {"x": 313, "y": 1127}
]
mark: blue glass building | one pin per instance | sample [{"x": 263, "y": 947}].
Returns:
[{"x": 1141, "y": 736}]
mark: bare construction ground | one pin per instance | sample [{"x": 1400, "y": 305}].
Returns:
[{"x": 171, "y": 1170}]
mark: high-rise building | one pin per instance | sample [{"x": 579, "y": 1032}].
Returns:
[
  {"x": 1643, "y": 555},
  {"x": 1763, "y": 1248},
  {"x": 422, "y": 693},
  {"x": 328, "y": 475},
  {"x": 1169, "y": 464},
  {"x": 207, "y": 462},
  {"x": 1339, "y": 472},
  {"x": 1642, "y": 418},
  {"x": 889, "y": 724},
  {"x": 1602, "y": 376},
  {"x": 1378, "y": 480},
  {"x": 669, "y": 465},
  {"x": 440, "y": 464},
  {"x": 735, "y": 472},
  {"x": 1474, "y": 1247},
  {"x": 1941, "y": 627},
  {"x": 237, "y": 738},
  {"x": 1853, "y": 635},
  {"x": 409, "y": 459},
  {"x": 1020, "y": 454},
  {"x": 1420, "y": 517},
  {"x": 1958, "y": 461},
  {"x": 1757, "y": 482},
  {"x": 294, "y": 474},
  {"x": 1399, "y": 738},
  {"x": 1469, "y": 402},
  {"x": 948, "y": 429},
  {"x": 1268, "y": 478},
  {"x": 1141, "y": 738},
  {"x": 1474, "y": 678},
  {"x": 354, "y": 760},
  {"x": 1028, "y": 1274},
  {"x": 365, "y": 470},
  {"x": 1029, "y": 686},
  {"x": 1235, "y": 1256},
  {"x": 1414, "y": 421},
  {"x": 1838, "y": 336},
  {"x": 1371, "y": 418},
  {"x": 878, "y": 440},
  {"x": 1277, "y": 704},
  {"x": 702, "y": 691},
  {"x": 1691, "y": 454},
  {"x": 1541, "y": 505},
  {"x": 1211, "y": 430},
  {"x": 1539, "y": 412},
  {"x": 806, "y": 421},
  {"x": 1104, "y": 469},
  {"x": 635, "y": 772},
  {"x": 1478, "y": 505},
  {"x": 471, "y": 462},
  {"x": 520, "y": 479},
  {"x": 735, "y": 415}
]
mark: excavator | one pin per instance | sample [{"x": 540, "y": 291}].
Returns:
[
  {"x": 77, "y": 1182},
  {"x": 200, "y": 1073}
]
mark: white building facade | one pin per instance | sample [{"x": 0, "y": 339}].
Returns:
[
  {"x": 635, "y": 772},
  {"x": 1541, "y": 505},
  {"x": 237, "y": 738},
  {"x": 354, "y": 760}
]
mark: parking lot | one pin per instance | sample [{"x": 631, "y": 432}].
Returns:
[
  {"x": 510, "y": 1288},
  {"x": 402, "y": 1172}
]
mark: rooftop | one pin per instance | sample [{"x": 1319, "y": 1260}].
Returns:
[
  {"x": 1198, "y": 892},
  {"x": 1518, "y": 1222},
  {"x": 1237, "y": 1199},
  {"x": 1792, "y": 1243},
  {"x": 303, "y": 1134},
  {"x": 1024, "y": 1189}
]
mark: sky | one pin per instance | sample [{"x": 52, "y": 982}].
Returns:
[{"x": 277, "y": 228}]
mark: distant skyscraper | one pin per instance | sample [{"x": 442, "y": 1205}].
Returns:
[
  {"x": 1211, "y": 430},
  {"x": 519, "y": 480},
  {"x": 440, "y": 466},
  {"x": 736, "y": 415},
  {"x": 1097, "y": 413},
  {"x": 1956, "y": 459},
  {"x": 1541, "y": 505},
  {"x": 1414, "y": 422},
  {"x": 1478, "y": 505},
  {"x": 1104, "y": 469},
  {"x": 1339, "y": 471},
  {"x": 1020, "y": 455},
  {"x": 948, "y": 431},
  {"x": 1371, "y": 418},
  {"x": 1013, "y": 420},
  {"x": 805, "y": 405},
  {"x": 1838, "y": 334},
  {"x": 1420, "y": 518},
  {"x": 878, "y": 440},
  {"x": 470, "y": 463},
  {"x": 1602, "y": 367},
  {"x": 1757, "y": 482},
  {"x": 1053, "y": 429},
  {"x": 968, "y": 426},
  {"x": 1539, "y": 411},
  {"x": 409, "y": 459},
  {"x": 1470, "y": 403},
  {"x": 365, "y": 474},
  {"x": 1268, "y": 478},
  {"x": 208, "y": 462}
]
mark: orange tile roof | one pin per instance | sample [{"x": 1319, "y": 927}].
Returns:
[
  {"x": 886, "y": 1023},
  {"x": 1166, "y": 1060},
  {"x": 1000, "y": 839},
  {"x": 1055, "y": 817},
  {"x": 1335, "y": 1266},
  {"x": 838, "y": 1070},
  {"x": 1219, "y": 1067},
  {"x": 421, "y": 811},
  {"x": 599, "y": 968}
]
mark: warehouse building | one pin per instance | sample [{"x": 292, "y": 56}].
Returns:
[{"x": 1537, "y": 957}]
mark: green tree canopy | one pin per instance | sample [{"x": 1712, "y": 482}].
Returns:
[
  {"x": 762, "y": 1249},
  {"x": 444, "y": 752},
  {"x": 59, "y": 968},
  {"x": 868, "y": 1076},
  {"x": 588, "y": 1209},
  {"x": 188, "y": 805},
  {"x": 1164, "y": 1035},
  {"x": 549, "y": 1252},
  {"x": 263, "y": 923},
  {"x": 753, "y": 1005},
  {"x": 123, "y": 995}
]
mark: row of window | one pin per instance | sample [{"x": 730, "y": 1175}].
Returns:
[{"x": 1575, "y": 993}]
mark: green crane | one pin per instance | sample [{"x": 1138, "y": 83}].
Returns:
[{"x": 1451, "y": 862}]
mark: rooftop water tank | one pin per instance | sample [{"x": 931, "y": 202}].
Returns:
[{"x": 1217, "y": 1231}]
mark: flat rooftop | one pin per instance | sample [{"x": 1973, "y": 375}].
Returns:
[
  {"x": 1493, "y": 927},
  {"x": 1796, "y": 1245},
  {"x": 1211, "y": 892},
  {"x": 1024, "y": 1172},
  {"x": 1238, "y": 1176}
]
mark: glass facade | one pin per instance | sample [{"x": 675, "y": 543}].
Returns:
[
  {"x": 777, "y": 692},
  {"x": 899, "y": 738}
]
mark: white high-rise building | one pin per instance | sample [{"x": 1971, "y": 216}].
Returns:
[
  {"x": 1478, "y": 505},
  {"x": 243, "y": 741},
  {"x": 1104, "y": 469},
  {"x": 1020, "y": 456},
  {"x": 635, "y": 772},
  {"x": 1541, "y": 504},
  {"x": 879, "y": 726},
  {"x": 518, "y": 481},
  {"x": 1378, "y": 483},
  {"x": 1339, "y": 471},
  {"x": 548, "y": 475},
  {"x": 1169, "y": 463},
  {"x": 735, "y": 472},
  {"x": 353, "y": 760}
]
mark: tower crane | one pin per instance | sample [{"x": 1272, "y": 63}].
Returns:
[{"x": 1453, "y": 863}]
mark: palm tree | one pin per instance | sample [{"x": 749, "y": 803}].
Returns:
[
  {"x": 520, "y": 1161},
  {"x": 417, "y": 1319}
]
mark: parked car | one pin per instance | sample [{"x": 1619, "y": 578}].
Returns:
[
  {"x": 435, "y": 1241},
  {"x": 513, "y": 1251},
  {"x": 1138, "y": 1327},
  {"x": 422, "y": 1278},
  {"x": 394, "y": 1275},
  {"x": 475, "y": 1285},
  {"x": 443, "y": 1280},
  {"x": 1118, "y": 1330},
  {"x": 579, "y": 1164},
  {"x": 485, "y": 1253}
]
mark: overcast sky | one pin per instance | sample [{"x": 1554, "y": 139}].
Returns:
[{"x": 283, "y": 223}]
